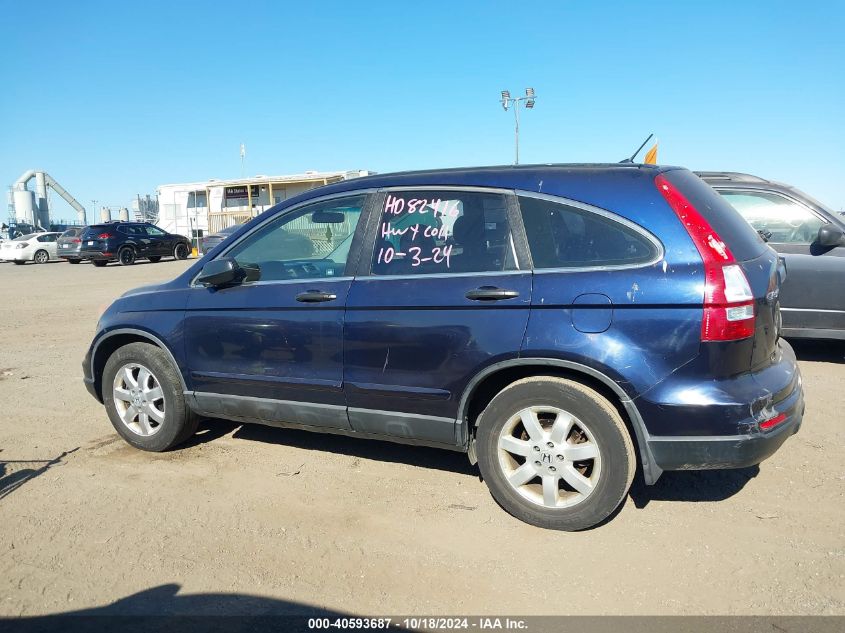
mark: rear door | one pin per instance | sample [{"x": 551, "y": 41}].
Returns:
[
  {"x": 271, "y": 348},
  {"x": 441, "y": 294},
  {"x": 49, "y": 243},
  {"x": 813, "y": 294}
]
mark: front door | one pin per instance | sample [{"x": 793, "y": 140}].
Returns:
[
  {"x": 442, "y": 295},
  {"x": 160, "y": 242},
  {"x": 271, "y": 348},
  {"x": 813, "y": 295}
]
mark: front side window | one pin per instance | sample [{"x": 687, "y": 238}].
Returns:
[
  {"x": 565, "y": 236},
  {"x": 311, "y": 242},
  {"x": 49, "y": 237},
  {"x": 154, "y": 230},
  {"x": 430, "y": 232},
  {"x": 777, "y": 218}
]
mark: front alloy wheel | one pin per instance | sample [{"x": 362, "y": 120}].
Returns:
[
  {"x": 145, "y": 399},
  {"x": 138, "y": 399},
  {"x": 42, "y": 257}
]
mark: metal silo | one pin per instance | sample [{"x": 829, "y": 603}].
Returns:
[{"x": 24, "y": 206}]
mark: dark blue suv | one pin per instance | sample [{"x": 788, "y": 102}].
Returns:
[{"x": 562, "y": 324}]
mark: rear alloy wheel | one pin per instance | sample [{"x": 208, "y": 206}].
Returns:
[
  {"x": 99, "y": 263},
  {"x": 41, "y": 257},
  {"x": 74, "y": 261},
  {"x": 19, "y": 262},
  {"x": 144, "y": 398},
  {"x": 126, "y": 256},
  {"x": 555, "y": 453},
  {"x": 181, "y": 251},
  {"x": 155, "y": 258}
]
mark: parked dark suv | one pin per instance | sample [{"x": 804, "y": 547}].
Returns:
[
  {"x": 563, "y": 325},
  {"x": 127, "y": 242},
  {"x": 811, "y": 239}
]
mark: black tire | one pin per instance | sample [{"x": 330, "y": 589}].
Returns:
[
  {"x": 155, "y": 258},
  {"x": 99, "y": 263},
  {"x": 179, "y": 424},
  {"x": 608, "y": 432},
  {"x": 126, "y": 256},
  {"x": 41, "y": 257},
  {"x": 180, "y": 251},
  {"x": 74, "y": 261},
  {"x": 19, "y": 262}
]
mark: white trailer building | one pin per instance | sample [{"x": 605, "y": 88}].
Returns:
[{"x": 212, "y": 205}]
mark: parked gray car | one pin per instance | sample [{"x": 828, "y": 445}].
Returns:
[
  {"x": 69, "y": 244},
  {"x": 811, "y": 239},
  {"x": 210, "y": 241}
]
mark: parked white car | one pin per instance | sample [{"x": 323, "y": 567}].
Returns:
[{"x": 35, "y": 247}]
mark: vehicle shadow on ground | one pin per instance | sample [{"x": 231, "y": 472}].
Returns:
[
  {"x": 692, "y": 485},
  {"x": 819, "y": 351},
  {"x": 144, "y": 611},
  {"x": 15, "y": 473},
  {"x": 421, "y": 456}
]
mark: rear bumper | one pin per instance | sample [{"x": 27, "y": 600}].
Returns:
[
  {"x": 96, "y": 256},
  {"x": 700, "y": 424},
  {"x": 732, "y": 451}
]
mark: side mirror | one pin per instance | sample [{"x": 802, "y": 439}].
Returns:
[
  {"x": 830, "y": 235},
  {"x": 221, "y": 272}
]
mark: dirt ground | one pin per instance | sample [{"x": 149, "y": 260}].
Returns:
[{"x": 248, "y": 519}]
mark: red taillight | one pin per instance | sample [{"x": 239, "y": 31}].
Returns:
[
  {"x": 771, "y": 423},
  {"x": 104, "y": 236},
  {"x": 76, "y": 240},
  {"x": 728, "y": 300}
]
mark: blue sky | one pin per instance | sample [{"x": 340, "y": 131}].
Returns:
[{"x": 115, "y": 98}]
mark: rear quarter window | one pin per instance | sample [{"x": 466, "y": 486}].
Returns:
[
  {"x": 564, "y": 236},
  {"x": 741, "y": 238}
]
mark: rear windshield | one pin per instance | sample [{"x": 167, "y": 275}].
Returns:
[
  {"x": 72, "y": 232},
  {"x": 740, "y": 237},
  {"x": 96, "y": 229}
]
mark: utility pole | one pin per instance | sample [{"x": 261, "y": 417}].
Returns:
[{"x": 508, "y": 101}]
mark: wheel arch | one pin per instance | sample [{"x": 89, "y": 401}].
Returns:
[
  {"x": 490, "y": 381},
  {"x": 114, "y": 340}
]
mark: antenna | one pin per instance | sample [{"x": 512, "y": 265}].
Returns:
[{"x": 639, "y": 149}]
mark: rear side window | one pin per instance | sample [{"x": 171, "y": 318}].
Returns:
[
  {"x": 564, "y": 236},
  {"x": 435, "y": 232},
  {"x": 131, "y": 229},
  {"x": 96, "y": 229},
  {"x": 740, "y": 237}
]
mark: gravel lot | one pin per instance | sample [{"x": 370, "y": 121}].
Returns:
[{"x": 287, "y": 520}]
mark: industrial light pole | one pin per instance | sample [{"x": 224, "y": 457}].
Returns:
[{"x": 508, "y": 101}]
